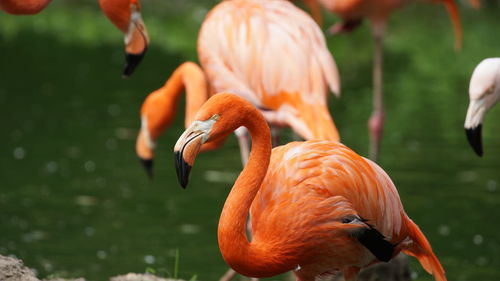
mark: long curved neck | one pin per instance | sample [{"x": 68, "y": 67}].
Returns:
[
  {"x": 250, "y": 259},
  {"x": 160, "y": 106},
  {"x": 118, "y": 12},
  {"x": 451, "y": 6}
]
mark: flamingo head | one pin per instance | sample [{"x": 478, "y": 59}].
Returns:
[
  {"x": 136, "y": 41},
  {"x": 215, "y": 120},
  {"x": 189, "y": 145},
  {"x": 484, "y": 92},
  {"x": 144, "y": 147}
]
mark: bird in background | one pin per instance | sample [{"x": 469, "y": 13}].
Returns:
[
  {"x": 267, "y": 51},
  {"x": 124, "y": 14},
  {"x": 316, "y": 207},
  {"x": 484, "y": 93},
  {"x": 377, "y": 12}
]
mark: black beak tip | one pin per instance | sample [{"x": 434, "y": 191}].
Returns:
[
  {"x": 182, "y": 168},
  {"x": 475, "y": 140},
  {"x": 131, "y": 63},
  {"x": 148, "y": 166}
]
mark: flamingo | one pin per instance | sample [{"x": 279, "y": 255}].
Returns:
[
  {"x": 124, "y": 14},
  {"x": 266, "y": 51},
  {"x": 484, "y": 93},
  {"x": 23, "y": 7},
  {"x": 352, "y": 13},
  {"x": 316, "y": 206}
]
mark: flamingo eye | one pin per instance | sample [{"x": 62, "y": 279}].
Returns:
[
  {"x": 348, "y": 219},
  {"x": 215, "y": 117},
  {"x": 490, "y": 90}
]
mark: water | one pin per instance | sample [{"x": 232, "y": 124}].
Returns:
[{"x": 75, "y": 201}]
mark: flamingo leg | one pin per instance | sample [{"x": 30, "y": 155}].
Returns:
[
  {"x": 376, "y": 122},
  {"x": 276, "y": 135},
  {"x": 229, "y": 275}
]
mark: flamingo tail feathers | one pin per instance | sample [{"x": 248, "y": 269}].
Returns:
[{"x": 421, "y": 249}]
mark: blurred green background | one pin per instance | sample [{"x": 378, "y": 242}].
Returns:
[{"x": 74, "y": 200}]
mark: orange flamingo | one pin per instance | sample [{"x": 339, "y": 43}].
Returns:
[
  {"x": 124, "y": 14},
  {"x": 23, "y": 7},
  {"x": 316, "y": 206},
  {"x": 352, "y": 13},
  {"x": 268, "y": 52}
]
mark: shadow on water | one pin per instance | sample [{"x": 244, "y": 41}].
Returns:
[{"x": 75, "y": 201}]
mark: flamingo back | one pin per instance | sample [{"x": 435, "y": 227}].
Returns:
[
  {"x": 272, "y": 54},
  {"x": 330, "y": 169}
]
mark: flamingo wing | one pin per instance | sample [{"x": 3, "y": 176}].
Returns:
[{"x": 330, "y": 169}]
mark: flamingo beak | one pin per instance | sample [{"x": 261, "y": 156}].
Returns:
[
  {"x": 189, "y": 145},
  {"x": 144, "y": 147},
  {"x": 475, "y": 140},
  {"x": 148, "y": 166},
  {"x": 185, "y": 151},
  {"x": 136, "y": 42},
  {"x": 473, "y": 125}
]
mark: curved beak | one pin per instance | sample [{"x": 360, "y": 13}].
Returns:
[
  {"x": 185, "y": 151},
  {"x": 148, "y": 166},
  {"x": 473, "y": 125},
  {"x": 136, "y": 42},
  {"x": 475, "y": 140}
]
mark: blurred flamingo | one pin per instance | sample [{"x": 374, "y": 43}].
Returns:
[
  {"x": 268, "y": 52},
  {"x": 316, "y": 206},
  {"x": 484, "y": 93},
  {"x": 23, "y": 7},
  {"x": 124, "y": 14},
  {"x": 352, "y": 13}
]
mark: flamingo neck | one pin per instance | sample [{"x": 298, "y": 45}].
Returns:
[
  {"x": 160, "y": 106},
  {"x": 118, "y": 12},
  {"x": 248, "y": 258}
]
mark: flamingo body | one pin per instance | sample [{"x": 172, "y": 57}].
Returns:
[
  {"x": 267, "y": 51},
  {"x": 274, "y": 55},
  {"x": 23, "y": 7},
  {"x": 316, "y": 206}
]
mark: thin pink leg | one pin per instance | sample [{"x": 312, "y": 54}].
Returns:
[{"x": 376, "y": 122}]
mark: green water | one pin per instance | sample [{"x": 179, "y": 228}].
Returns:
[{"x": 74, "y": 200}]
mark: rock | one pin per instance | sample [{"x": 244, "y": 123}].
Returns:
[
  {"x": 140, "y": 277},
  {"x": 12, "y": 269}
]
